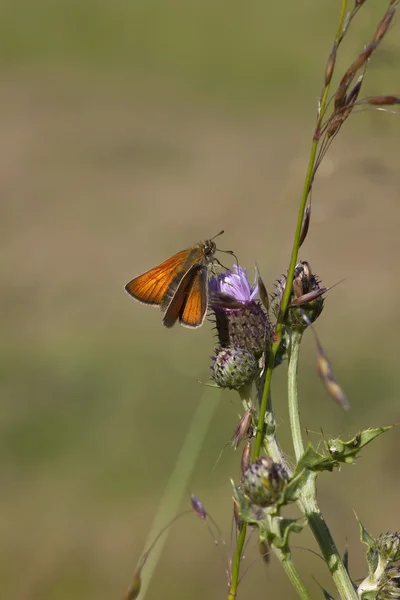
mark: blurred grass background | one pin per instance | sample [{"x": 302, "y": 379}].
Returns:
[{"x": 130, "y": 130}]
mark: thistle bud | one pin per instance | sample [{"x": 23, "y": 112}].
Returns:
[
  {"x": 232, "y": 367},
  {"x": 388, "y": 546},
  {"x": 243, "y": 328},
  {"x": 264, "y": 481},
  {"x": 388, "y": 587},
  {"x": 306, "y": 298},
  {"x": 240, "y": 320},
  {"x": 301, "y": 278},
  {"x": 383, "y": 580}
]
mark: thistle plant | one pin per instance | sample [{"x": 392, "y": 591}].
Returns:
[{"x": 258, "y": 332}]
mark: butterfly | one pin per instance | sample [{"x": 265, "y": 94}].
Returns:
[{"x": 179, "y": 285}]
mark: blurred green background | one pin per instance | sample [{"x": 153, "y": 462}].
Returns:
[{"x": 129, "y": 131}]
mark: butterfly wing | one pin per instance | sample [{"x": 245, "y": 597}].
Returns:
[
  {"x": 177, "y": 295},
  {"x": 152, "y": 286},
  {"x": 194, "y": 307}
]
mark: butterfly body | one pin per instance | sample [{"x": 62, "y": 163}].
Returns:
[{"x": 179, "y": 285}]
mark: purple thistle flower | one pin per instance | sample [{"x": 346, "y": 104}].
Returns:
[
  {"x": 244, "y": 330},
  {"x": 234, "y": 283}
]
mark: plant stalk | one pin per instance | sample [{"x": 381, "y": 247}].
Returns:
[
  {"x": 308, "y": 496},
  {"x": 323, "y": 536},
  {"x": 294, "y": 412},
  {"x": 285, "y": 302},
  {"x": 293, "y": 576}
]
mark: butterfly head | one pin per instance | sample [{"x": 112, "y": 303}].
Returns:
[{"x": 209, "y": 249}]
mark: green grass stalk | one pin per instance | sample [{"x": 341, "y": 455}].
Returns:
[
  {"x": 285, "y": 301},
  {"x": 178, "y": 482}
]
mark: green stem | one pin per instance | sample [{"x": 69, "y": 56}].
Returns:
[
  {"x": 295, "y": 250},
  {"x": 323, "y": 536},
  {"x": 270, "y": 442},
  {"x": 308, "y": 497},
  {"x": 271, "y": 445},
  {"x": 236, "y": 563},
  {"x": 294, "y": 413},
  {"x": 288, "y": 566},
  {"x": 293, "y": 576},
  {"x": 285, "y": 556},
  {"x": 284, "y": 304},
  {"x": 245, "y": 394}
]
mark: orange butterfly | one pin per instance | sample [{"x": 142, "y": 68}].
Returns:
[{"x": 179, "y": 285}]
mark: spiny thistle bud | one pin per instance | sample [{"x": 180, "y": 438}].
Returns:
[
  {"x": 389, "y": 584},
  {"x": 388, "y": 546},
  {"x": 264, "y": 481},
  {"x": 232, "y": 367},
  {"x": 306, "y": 298},
  {"x": 383, "y": 581},
  {"x": 240, "y": 320}
]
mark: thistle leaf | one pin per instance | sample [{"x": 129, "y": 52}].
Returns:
[
  {"x": 346, "y": 452},
  {"x": 371, "y": 554}
]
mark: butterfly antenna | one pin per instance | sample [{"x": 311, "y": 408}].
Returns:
[{"x": 218, "y": 234}]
